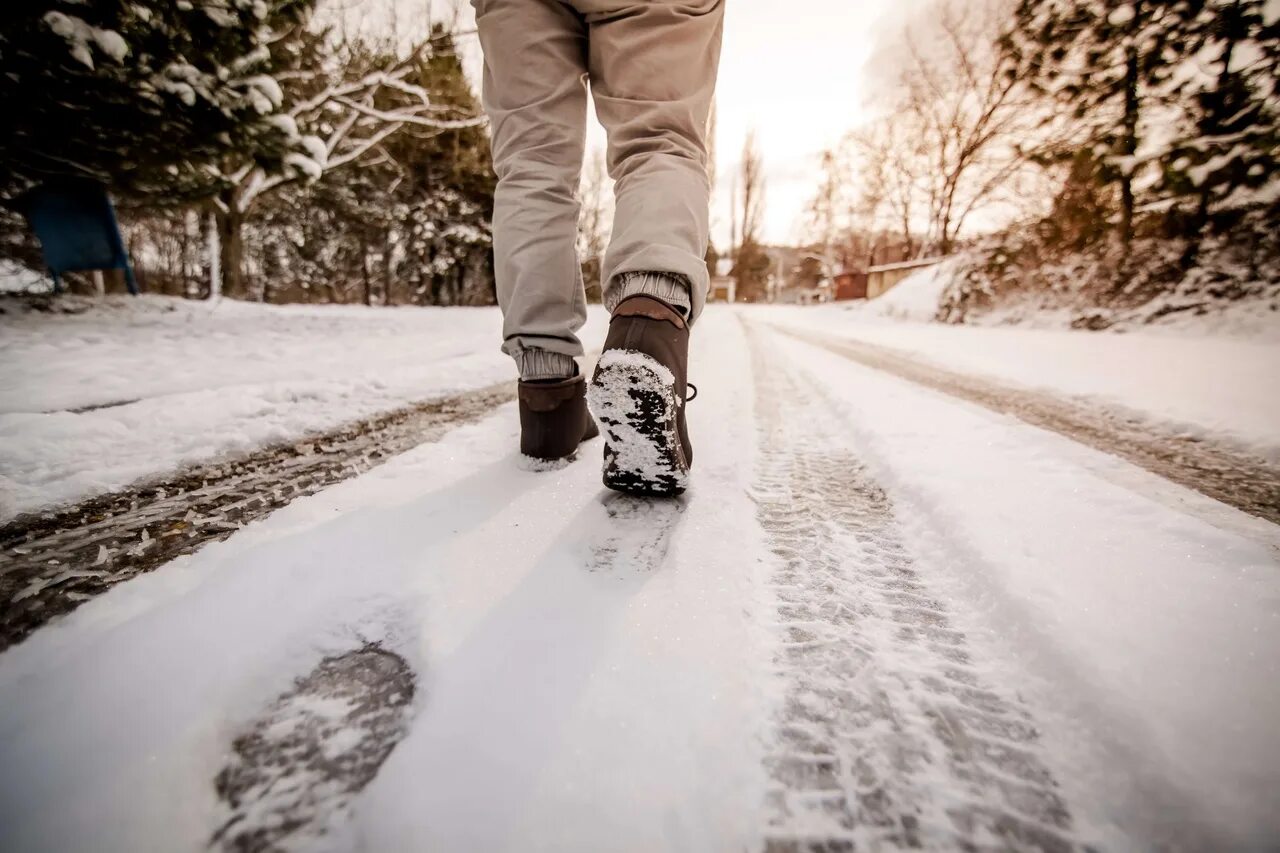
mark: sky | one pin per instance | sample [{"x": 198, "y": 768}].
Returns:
[{"x": 798, "y": 72}]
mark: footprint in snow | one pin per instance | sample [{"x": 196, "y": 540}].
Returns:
[
  {"x": 295, "y": 770},
  {"x": 635, "y": 534}
]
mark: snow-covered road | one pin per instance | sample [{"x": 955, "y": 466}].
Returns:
[{"x": 881, "y": 616}]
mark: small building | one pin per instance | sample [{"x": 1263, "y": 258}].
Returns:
[
  {"x": 849, "y": 285},
  {"x": 724, "y": 288},
  {"x": 883, "y": 278}
]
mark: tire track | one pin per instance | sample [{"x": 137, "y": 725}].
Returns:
[
  {"x": 888, "y": 737},
  {"x": 1212, "y": 468},
  {"x": 51, "y": 564}
]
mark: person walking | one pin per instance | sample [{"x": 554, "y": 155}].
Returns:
[{"x": 651, "y": 66}]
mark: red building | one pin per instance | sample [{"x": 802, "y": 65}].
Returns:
[{"x": 850, "y": 285}]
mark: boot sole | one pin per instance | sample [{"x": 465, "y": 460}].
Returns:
[{"x": 633, "y": 397}]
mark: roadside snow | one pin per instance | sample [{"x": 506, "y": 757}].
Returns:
[
  {"x": 1222, "y": 387},
  {"x": 179, "y": 382},
  {"x": 917, "y": 296},
  {"x": 592, "y": 671},
  {"x": 1154, "y": 633}
]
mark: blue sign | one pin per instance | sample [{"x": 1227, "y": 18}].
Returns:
[{"x": 77, "y": 229}]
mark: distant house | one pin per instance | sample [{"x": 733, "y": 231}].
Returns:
[
  {"x": 849, "y": 284},
  {"x": 723, "y": 288},
  {"x": 883, "y": 278}
]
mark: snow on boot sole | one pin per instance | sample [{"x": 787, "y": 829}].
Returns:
[{"x": 633, "y": 397}]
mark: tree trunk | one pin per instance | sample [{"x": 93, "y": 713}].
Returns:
[
  {"x": 231, "y": 242},
  {"x": 213, "y": 248},
  {"x": 388, "y": 291},
  {"x": 1129, "y": 141},
  {"x": 364, "y": 268}
]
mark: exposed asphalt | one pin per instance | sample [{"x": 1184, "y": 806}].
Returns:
[{"x": 51, "y": 563}]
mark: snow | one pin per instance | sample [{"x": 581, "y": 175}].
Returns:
[
  {"x": 16, "y": 278},
  {"x": 304, "y": 164},
  {"x": 916, "y": 297},
  {"x": 624, "y": 382},
  {"x": 1202, "y": 385},
  {"x": 1157, "y": 631},
  {"x": 182, "y": 382},
  {"x": 264, "y": 92},
  {"x": 574, "y": 692},
  {"x": 79, "y": 35},
  {"x": 600, "y": 672}
]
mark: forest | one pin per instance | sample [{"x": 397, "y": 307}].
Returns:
[{"x": 254, "y": 148}]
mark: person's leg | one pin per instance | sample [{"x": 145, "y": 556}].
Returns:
[
  {"x": 534, "y": 91},
  {"x": 653, "y": 73}
]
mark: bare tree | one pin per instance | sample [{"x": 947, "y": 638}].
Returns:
[
  {"x": 750, "y": 262},
  {"x": 749, "y": 191},
  {"x": 891, "y": 168},
  {"x": 970, "y": 114},
  {"x": 594, "y": 221},
  {"x": 827, "y": 213},
  {"x": 949, "y": 143}
]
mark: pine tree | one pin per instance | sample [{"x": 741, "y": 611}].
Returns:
[
  {"x": 1107, "y": 61},
  {"x": 444, "y": 191},
  {"x": 1222, "y": 161},
  {"x": 358, "y": 100},
  {"x": 142, "y": 95},
  {"x": 409, "y": 222}
]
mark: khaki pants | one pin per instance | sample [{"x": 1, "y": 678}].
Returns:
[{"x": 652, "y": 71}]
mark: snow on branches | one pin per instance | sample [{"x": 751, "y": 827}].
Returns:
[{"x": 350, "y": 119}]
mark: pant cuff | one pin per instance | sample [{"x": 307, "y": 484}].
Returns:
[
  {"x": 671, "y": 288},
  {"x": 544, "y": 364}
]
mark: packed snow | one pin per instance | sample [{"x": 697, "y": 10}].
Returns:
[
  {"x": 1198, "y": 385},
  {"x": 1155, "y": 630},
  {"x": 573, "y": 686},
  {"x": 133, "y": 388},
  {"x": 600, "y": 672}
]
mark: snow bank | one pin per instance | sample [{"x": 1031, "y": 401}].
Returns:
[
  {"x": 132, "y": 388},
  {"x": 916, "y": 297},
  {"x": 1199, "y": 385}
]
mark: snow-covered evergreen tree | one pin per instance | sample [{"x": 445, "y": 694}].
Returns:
[
  {"x": 1177, "y": 100},
  {"x": 406, "y": 222},
  {"x": 143, "y": 95},
  {"x": 1221, "y": 162},
  {"x": 1108, "y": 62},
  {"x": 353, "y": 101}
]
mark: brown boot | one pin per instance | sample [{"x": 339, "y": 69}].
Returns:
[
  {"x": 638, "y": 393},
  {"x": 554, "y": 419}
]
